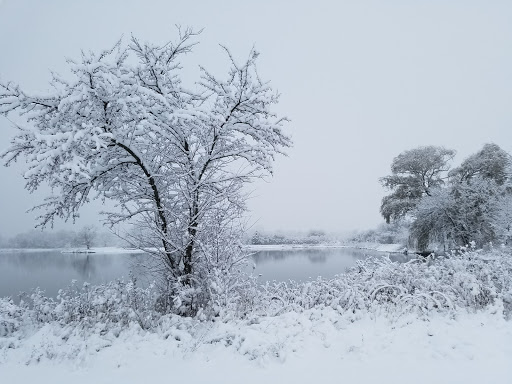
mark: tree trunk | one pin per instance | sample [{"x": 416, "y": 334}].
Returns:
[{"x": 189, "y": 250}]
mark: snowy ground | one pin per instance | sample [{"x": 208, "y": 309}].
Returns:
[
  {"x": 440, "y": 321},
  {"x": 314, "y": 346}
]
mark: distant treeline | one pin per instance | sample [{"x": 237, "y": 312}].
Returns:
[
  {"x": 393, "y": 233},
  {"x": 59, "y": 239},
  {"x": 312, "y": 237}
]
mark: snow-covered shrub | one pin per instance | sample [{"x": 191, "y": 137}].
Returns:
[
  {"x": 117, "y": 303},
  {"x": 11, "y": 317},
  {"x": 468, "y": 279},
  {"x": 222, "y": 287}
]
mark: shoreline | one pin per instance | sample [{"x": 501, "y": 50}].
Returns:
[{"x": 387, "y": 248}]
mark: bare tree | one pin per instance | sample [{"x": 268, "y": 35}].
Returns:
[
  {"x": 173, "y": 159},
  {"x": 87, "y": 235}
]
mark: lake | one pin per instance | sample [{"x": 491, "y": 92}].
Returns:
[{"x": 52, "y": 270}]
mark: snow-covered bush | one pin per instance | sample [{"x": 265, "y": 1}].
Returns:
[
  {"x": 116, "y": 304},
  {"x": 11, "y": 317},
  {"x": 467, "y": 279}
]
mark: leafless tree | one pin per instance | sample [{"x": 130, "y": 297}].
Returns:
[{"x": 87, "y": 235}]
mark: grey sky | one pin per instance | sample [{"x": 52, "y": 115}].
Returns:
[{"x": 360, "y": 80}]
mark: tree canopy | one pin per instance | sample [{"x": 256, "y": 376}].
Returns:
[
  {"x": 470, "y": 203},
  {"x": 491, "y": 162},
  {"x": 414, "y": 173},
  {"x": 124, "y": 127}
]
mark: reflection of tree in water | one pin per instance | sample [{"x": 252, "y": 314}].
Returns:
[
  {"x": 262, "y": 257},
  {"x": 84, "y": 266},
  {"x": 317, "y": 256},
  {"x": 95, "y": 268},
  {"x": 321, "y": 255},
  {"x": 148, "y": 269},
  {"x": 30, "y": 260},
  {"x": 87, "y": 266},
  {"x": 51, "y": 270},
  {"x": 313, "y": 255}
]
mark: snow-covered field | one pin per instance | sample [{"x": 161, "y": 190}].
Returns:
[
  {"x": 310, "y": 347},
  {"x": 439, "y": 321}
]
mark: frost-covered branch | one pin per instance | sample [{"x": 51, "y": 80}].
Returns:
[{"x": 123, "y": 127}]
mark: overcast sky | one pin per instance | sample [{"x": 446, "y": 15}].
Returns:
[{"x": 361, "y": 82}]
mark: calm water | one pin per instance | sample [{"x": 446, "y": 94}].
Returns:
[
  {"x": 52, "y": 270},
  {"x": 308, "y": 264}
]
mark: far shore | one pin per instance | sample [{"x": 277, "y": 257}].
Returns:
[{"x": 390, "y": 248}]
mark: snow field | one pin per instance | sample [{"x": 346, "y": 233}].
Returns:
[
  {"x": 313, "y": 346},
  {"x": 435, "y": 321}
]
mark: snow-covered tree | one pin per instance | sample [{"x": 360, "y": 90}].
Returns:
[
  {"x": 457, "y": 215},
  {"x": 502, "y": 223},
  {"x": 86, "y": 236},
  {"x": 474, "y": 206},
  {"x": 123, "y": 127},
  {"x": 491, "y": 162},
  {"x": 414, "y": 174}
]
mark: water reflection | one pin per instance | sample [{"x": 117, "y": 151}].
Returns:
[
  {"x": 52, "y": 270},
  {"x": 306, "y": 264}
]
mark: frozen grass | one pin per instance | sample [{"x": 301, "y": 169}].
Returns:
[{"x": 469, "y": 280}]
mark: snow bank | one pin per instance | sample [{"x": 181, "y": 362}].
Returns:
[{"x": 316, "y": 345}]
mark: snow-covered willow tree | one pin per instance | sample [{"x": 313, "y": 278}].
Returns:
[
  {"x": 124, "y": 127},
  {"x": 475, "y": 204},
  {"x": 415, "y": 173}
]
